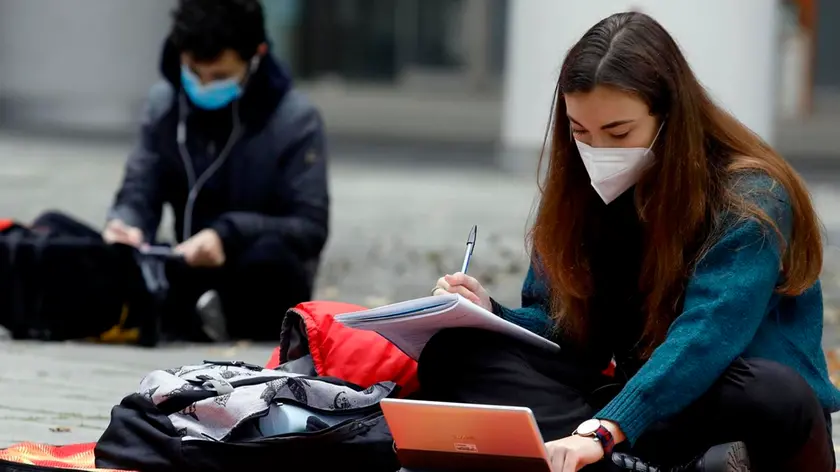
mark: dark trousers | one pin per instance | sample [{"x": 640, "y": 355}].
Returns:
[
  {"x": 762, "y": 403},
  {"x": 256, "y": 288}
]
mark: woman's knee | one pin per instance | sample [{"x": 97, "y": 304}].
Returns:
[
  {"x": 460, "y": 345},
  {"x": 779, "y": 416},
  {"x": 773, "y": 395},
  {"x": 455, "y": 351}
]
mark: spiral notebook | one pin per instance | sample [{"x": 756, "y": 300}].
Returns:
[{"x": 409, "y": 325}]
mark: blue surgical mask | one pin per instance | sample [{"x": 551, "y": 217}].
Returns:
[{"x": 213, "y": 96}]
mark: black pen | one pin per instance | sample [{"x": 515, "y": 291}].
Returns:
[{"x": 470, "y": 247}]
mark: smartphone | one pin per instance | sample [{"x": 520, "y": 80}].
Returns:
[{"x": 159, "y": 251}]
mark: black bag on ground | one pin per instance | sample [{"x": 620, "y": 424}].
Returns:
[
  {"x": 60, "y": 281},
  {"x": 213, "y": 418}
]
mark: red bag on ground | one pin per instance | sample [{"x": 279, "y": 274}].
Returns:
[{"x": 357, "y": 356}]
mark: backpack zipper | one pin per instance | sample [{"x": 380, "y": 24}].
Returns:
[
  {"x": 353, "y": 424},
  {"x": 244, "y": 364}
]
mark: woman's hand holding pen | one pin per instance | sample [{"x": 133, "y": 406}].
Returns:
[
  {"x": 468, "y": 287},
  {"x": 461, "y": 283}
]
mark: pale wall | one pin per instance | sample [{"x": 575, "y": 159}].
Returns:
[
  {"x": 84, "y": 64},
  {"x": 731, "y": 45}
]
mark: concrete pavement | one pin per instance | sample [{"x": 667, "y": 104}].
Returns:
[
  {"x": 62, "y": 393},
  {"x": 395, "y": 229}
]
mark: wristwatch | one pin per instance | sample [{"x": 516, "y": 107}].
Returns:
[{"x": 598, "y": 432}]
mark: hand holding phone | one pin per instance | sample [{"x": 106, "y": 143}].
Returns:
[{"x": 159, "y": 251}]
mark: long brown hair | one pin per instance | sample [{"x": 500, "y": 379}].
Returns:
[{"x": 680, "y": 200}]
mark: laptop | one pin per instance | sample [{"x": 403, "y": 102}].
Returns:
[{"x": 456, "y": 436}]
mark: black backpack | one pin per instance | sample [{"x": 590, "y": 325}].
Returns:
[
  {"x": 207, "y": 418},
  {"x": 59, "y": 281}
]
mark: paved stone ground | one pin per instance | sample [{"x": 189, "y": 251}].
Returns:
[
  {"x": 63, "y": 393},
  {"x": 396, "y": 227}
]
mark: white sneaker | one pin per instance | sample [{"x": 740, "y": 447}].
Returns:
[{"x": 213, "y": 323}]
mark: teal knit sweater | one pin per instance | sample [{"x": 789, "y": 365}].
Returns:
[{"x": 730, "y": 310}]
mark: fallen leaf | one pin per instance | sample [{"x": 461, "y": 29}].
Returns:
[
  {"x": 330, "y": 293},
  {"x": 230, "y": 352},
  {"x": 225, "y": 351},
  {"x": 833, "y": 361},
  {"x": 831, "y": 314},
  {"x": 374, "y": 301}
]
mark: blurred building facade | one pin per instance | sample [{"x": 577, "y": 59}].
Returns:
[
  {"x": 78, "y": 64},
  {"x": 464, "y": 71}
]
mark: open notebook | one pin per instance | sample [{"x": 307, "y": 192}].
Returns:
[{"x": 409, "y": 325}]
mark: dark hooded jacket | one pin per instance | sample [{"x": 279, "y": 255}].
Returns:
[{"x": 272, "y": 182}]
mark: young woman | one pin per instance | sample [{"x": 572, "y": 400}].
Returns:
[{"x": 673, "y": 240}]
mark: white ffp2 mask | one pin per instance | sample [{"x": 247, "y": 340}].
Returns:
[{"x": 614, "y": 170}]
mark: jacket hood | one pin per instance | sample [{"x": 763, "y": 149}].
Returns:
[{"x": 263, "y": 92}]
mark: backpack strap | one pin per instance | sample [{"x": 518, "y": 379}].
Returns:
[
  {"x": 36, "y": 308},
  {"x": 18, "y": 280}
]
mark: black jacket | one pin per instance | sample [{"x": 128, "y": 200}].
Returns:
[{"x": 273, "y": 181}]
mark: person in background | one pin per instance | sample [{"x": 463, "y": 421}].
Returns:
[
  {"x": 240, "y": 156},
  {"x": 674, "y": 241}
]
